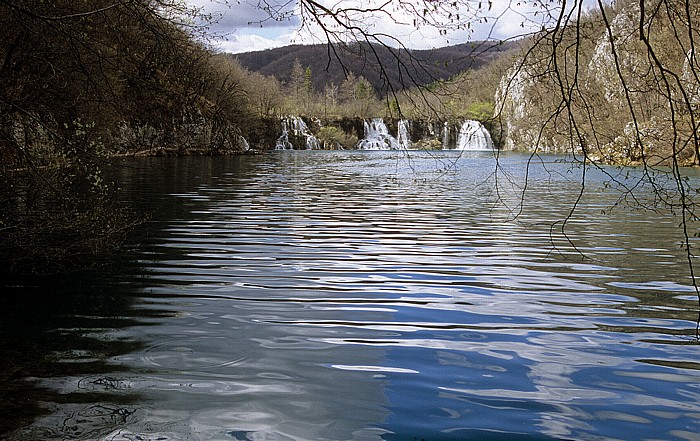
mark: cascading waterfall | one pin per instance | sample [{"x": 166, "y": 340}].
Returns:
[
  {"x": 245, "y": 143},
  {"x": 283, "y": 141},
  {"x": 404, "y": 134},
  {"x": 377, "y": 137},
  {"x": 471, "y": 135},
  {"x": 446, "y": 135},
  {"x": 299, "y": 129},
  {"x": 474, "y": 136}
]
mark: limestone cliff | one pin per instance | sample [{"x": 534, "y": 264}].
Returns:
[{"x": 603, "y": 88}]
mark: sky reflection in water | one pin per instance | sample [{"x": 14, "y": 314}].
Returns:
[{"x": 365, "y": 295}]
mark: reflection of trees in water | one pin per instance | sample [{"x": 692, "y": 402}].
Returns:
[
  {"x": 63, "y": 328},
  {"x": 92, "y": 420},
  {"x": 58, "y": 334}
]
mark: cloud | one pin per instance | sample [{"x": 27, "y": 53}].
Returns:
[
  {"x": 228, "y": 16},
  {"x": 248, "y": 42},
  {"x": 412, "y": 23},
  {"x": 248, "y": 26}
]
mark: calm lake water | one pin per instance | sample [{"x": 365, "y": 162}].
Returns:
[{"x": 365, "y": 296}]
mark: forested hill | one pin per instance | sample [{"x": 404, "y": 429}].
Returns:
[{"x": 376, "y": 63}]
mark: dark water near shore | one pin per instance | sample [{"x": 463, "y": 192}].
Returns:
[{"x": 365, "y": 296}]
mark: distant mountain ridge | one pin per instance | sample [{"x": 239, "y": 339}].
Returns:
[{"x": 385, "y": 68}]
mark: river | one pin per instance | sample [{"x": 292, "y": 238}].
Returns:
[{"x": 365, "y": 295}]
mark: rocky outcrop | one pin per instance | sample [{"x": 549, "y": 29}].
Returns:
[
  {"x": 690, "y": 77},
  {"x": 628, "y": 58},
  {"x": 197, "y": 136},
  {"x": 519, "y": 106},
  {"x": 609, "y": 95}
]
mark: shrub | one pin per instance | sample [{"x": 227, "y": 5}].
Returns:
[{"x": 333, "y": 138}]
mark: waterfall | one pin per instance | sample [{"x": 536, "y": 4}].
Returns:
[
  {"x": 404, "y": 134},
  {"x": 283, "y": 141},
  {"x": 300, "y": 130},
  {"x": 445, "y": 135},
  {"x": 377, "y": 137},
  {"x": 474, "y": 136},
  {"x": 244, "y": 143}
]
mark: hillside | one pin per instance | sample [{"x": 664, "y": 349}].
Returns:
[
  {"x": 401, "y": 68},
  {"x": 616, "y": 99}
]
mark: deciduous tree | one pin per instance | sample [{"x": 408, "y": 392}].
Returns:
[{"x": 73, "y": 75}]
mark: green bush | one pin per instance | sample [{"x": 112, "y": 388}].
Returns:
[
  {"x": 333, "y": 138},
  {"x": 480, "y": 110}
]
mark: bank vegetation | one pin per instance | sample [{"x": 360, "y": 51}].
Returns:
[{"x": 82, "y": 81}]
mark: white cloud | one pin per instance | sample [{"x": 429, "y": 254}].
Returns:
[
  {"x": 247, "y": 27},
  {"x": 248, "y": 42}
]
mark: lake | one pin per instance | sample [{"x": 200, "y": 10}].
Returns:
[{"x": 365, "y": 295}]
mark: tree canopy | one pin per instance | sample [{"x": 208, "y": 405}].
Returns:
[{"x": 79, "y": 80}]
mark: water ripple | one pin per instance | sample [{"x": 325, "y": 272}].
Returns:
[{"x": 329, "y": 296}]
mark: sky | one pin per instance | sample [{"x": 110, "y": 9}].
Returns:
[{"x": 245, "y": 25}]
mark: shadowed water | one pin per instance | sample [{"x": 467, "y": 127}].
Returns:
[{"x": 374, "y": 295}]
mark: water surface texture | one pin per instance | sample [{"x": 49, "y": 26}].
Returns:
[{"x": 376, "y": 295}]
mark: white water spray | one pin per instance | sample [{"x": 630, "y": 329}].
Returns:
[
  {"x": 298, "y": 128},
  {"x": 445, "y": 135},
  {"x": 377, "y": 137},
  {"x": 245, "y": 143},
  {"x": 404, "y": 134},
  {"x": 474, "y": 136}
]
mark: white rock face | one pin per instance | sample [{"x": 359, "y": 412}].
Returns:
[
  {"x": 690, "y": 77},
  {"x": 602, "y": 70},
  {"x": 531, "y": 104},
  {"x": 521, "y": 109}
]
